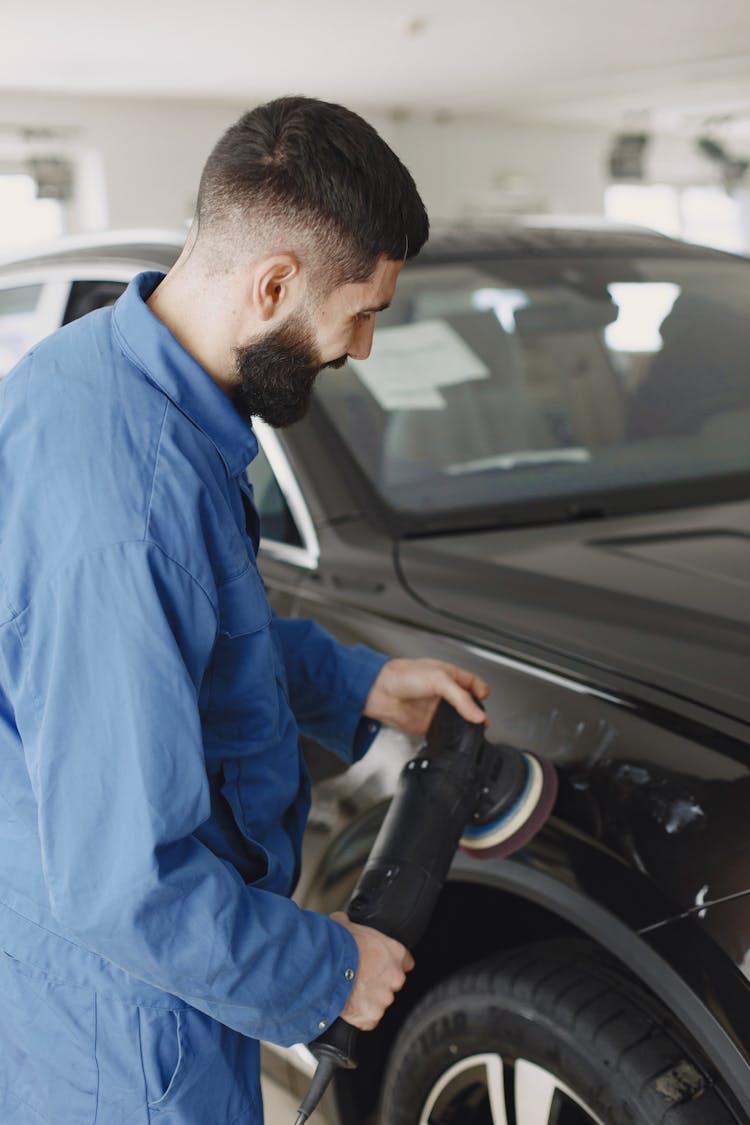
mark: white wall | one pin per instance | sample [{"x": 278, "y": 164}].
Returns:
[
  {"x": 144, "y": 157},
  {"x": 139, "y": 160},
  {"x": 484, "y": 167}
]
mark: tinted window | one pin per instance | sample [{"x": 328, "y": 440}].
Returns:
[
  {"x": 516, "y": 382},
  {"x": 85, "y": 296},
  {"x": 275, "y": 517},
  {"x": 17, "y": 323}
]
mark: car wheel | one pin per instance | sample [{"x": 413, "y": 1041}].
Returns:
[{"x": 554, "y": 1034}]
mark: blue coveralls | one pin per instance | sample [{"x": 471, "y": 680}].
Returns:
[{"x": 152, "y": 794}]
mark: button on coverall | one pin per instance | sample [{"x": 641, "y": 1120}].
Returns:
[{"x": 152, "y": 794}]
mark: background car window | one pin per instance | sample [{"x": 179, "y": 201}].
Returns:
[
  {"x": 85, "y": 296},
  {"x": 18, "y": 332},
  {"x": 276, "y": 519},
  {"x": 526, "y": 380}
]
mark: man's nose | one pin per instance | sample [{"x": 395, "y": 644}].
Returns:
[{"x": 361, "y": 344}]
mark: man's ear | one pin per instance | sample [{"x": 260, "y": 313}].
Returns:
[{"x": 276, "y": 284}]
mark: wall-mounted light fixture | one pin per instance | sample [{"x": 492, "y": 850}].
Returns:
[{"x": 627, "y": 157}]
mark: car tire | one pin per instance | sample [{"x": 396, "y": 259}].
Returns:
[{"x": 554, "y": 1034}]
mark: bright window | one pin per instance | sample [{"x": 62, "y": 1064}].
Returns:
[
  {"x": 18, "y": 307},
  {"x": 24, "y": 219},
  {"x": 707, "y": 215},
  {"x": 712, "y": 217},
  {"x": 647, "y": 205}
]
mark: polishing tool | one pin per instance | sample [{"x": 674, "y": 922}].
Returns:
[
  {"x": 459, "y": 791},
  {"x": 513, "y": 806}
]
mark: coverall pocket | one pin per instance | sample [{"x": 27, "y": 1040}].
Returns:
[
  {"x": 243, "y": 698},
  {"x": 48, "y": 1070},
  {"x": 164, "y": 1053},
  {"x": 243, "y": 605}
]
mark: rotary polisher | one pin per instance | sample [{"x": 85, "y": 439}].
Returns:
[{"x": 459, "y": 791}]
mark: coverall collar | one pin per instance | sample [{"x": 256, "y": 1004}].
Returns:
[{"x": 149, "y": 343}]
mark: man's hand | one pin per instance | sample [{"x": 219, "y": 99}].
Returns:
[
  {"x": 407, "y": 692},
  {"x": 383, "y": 965}
]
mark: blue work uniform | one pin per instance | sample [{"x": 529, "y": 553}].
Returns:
[{"x": 152, "y": 792}]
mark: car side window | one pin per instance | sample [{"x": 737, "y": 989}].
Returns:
[
  {"x": 18, "y": 324},
  {"x": 85, "y": 296},
  {"x": 276, "y": 520}
]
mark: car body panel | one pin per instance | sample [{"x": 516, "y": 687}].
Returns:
[{"x": 665, "y": 599}]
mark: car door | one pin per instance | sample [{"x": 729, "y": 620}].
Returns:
[{"x": 35, "y": 301}]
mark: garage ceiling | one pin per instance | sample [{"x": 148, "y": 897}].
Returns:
[{"x": 670, "y": 64}]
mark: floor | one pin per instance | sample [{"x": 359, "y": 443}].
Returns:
[{"x": 281, "y": 1109}]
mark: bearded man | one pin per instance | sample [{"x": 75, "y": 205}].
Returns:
[{"x": 153, "y": 792}]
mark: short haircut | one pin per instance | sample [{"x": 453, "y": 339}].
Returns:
[{"x": 320, "y": 174}]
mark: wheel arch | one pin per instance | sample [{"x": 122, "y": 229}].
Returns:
[{"x": 545, "y": 892}]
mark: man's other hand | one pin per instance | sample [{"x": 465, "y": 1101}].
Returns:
[
  {"x": 383, "y": 965},
  {"x": 407, "y": 692}
]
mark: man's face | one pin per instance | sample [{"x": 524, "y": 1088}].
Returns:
[{"x": 276, "y": 373}]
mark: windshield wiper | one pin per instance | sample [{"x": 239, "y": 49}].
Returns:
[{"x": 521, "y": 459}]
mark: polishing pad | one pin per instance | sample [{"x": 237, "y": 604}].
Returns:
[{"x": 515, "y": 826}]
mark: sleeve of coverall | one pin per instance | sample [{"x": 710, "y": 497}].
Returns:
[
  {"x": 328, "y": 685},
  {"x": 118, "y": 643}
]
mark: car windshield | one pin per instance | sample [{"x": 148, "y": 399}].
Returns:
[{"x": 499, "y": 385}]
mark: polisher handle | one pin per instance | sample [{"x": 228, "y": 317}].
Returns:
[{"x": 339, "y": 1043}]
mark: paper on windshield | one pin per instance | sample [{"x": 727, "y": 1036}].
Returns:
[{"x": 409, "y": 363}]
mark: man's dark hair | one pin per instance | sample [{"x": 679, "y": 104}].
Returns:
[{"x": 299, "y": 164}]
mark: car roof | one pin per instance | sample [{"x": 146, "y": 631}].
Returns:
[
  {"x": 554, "y": 236},
  {"x": 526, "y": 236},
  {"x": 158, "y": 248}
]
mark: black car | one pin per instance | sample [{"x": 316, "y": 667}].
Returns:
[{"x": 542, "y": 474}]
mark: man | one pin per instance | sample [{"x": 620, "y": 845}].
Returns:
[{"x": 153, "y": 797}]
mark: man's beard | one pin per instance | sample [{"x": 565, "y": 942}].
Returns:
[{"x": 276, "y": 374}]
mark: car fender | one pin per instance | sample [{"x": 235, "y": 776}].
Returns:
[
  {"x": 677, "y": 959},
  {"x": 574, "y": 885}
]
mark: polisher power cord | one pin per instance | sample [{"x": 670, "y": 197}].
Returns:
[
  {"x": 324, "y": 1072},
  {"x": 459, "y": 791}
]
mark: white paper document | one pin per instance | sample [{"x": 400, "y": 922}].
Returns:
[{"x": 408, "y": 365}]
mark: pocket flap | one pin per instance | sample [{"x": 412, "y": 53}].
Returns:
[{"x": 243, "y": 605}]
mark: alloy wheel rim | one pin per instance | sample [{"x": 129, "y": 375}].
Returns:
[{"x": 498, "y": 1093}]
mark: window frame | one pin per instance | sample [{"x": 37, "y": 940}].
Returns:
[{"x": 307, "y": 556}]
